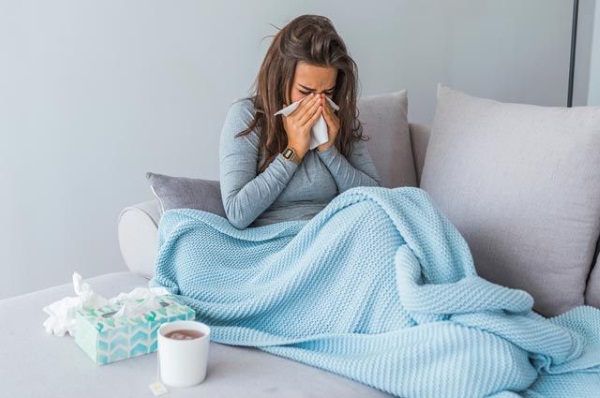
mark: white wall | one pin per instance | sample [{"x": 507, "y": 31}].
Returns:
[
  {"x": 594, "y": 82},
  {"x": 95, "y": 93}
]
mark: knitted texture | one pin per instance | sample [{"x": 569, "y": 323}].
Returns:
[{"x": 381, "y": 288}]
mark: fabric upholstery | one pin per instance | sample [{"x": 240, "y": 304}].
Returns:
[
  {"x": 181, "y": 192},
  {"x": 36, "y": 364},
  {"x": 385, "y": 121},
  {"x": 522, "y": 184},
  {"x": 419, "y": 138},
  {"x": 137, "y": 229}
]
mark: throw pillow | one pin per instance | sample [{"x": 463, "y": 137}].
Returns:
[
  {"x": 191, "y": 193},
  {"x": 522, "y": 184},
  {"x": 385, "y": 121}
]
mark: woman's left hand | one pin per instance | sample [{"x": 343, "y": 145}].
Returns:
[{"x": 333, "y": 125}]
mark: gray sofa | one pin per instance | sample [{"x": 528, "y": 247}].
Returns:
[{"x": 35, "y": 364}]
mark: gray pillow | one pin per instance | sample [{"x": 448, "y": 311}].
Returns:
[
  {"x": 522, "y": 184},
  {"x": 384, "y": 119},
  {"x": 190, "y": 193}
]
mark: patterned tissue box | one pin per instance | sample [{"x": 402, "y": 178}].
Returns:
[{"x": 108, "y": 339}]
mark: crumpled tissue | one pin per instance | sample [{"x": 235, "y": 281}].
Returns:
[
  {"x": 62, "y": 312},
  {"x": 319, "y": 130}
]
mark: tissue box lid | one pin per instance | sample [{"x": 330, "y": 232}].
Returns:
[{"x": 167, "y": 307}]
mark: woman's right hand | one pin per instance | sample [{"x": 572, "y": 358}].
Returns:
[{"x": 298, "y": 124}]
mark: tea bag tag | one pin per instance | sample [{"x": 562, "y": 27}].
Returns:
[{"x": 157, "y": 387}]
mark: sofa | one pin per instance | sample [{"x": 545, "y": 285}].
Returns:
[{"x": 35, "y": 364}]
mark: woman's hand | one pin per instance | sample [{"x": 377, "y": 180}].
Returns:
[
  {"x": 333, "y": 125},
  {"x": 298, "y": 124}
]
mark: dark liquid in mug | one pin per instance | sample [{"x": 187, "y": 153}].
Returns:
[{"x": 184, "y": 334}]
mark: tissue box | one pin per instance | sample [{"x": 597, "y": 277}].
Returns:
[{"x": 107, "y": 339}]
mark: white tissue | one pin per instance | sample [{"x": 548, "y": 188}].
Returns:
[
  {"x": 62, "y": 312},
  {"x": 140, "y": 299},
  {"x": 319, "y": 131}
]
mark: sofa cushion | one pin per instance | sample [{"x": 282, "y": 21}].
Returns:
[
  {"x": 522, "y": 184},
  {"x": 385, "y": 121},
  {"x": 36, "y": 364},
  {"x": 190, "y": 193}
]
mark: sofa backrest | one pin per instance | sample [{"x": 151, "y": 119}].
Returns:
[
  {"x": 419, "y": 138},
  {"x": 138, "y": 224}
]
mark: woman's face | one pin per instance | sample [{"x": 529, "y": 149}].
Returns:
[{"x": 310, "y": 78}]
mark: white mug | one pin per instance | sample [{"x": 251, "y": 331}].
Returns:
[{"x": 183, "y": 362}]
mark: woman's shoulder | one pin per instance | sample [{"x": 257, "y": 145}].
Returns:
[
  {"x": 242, "y": 109},
  {"x": 239, "y": 117}
]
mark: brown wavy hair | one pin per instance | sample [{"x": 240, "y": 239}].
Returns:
[{"x": 314, "y": 40}]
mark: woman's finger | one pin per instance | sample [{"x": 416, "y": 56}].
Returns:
[
  {"x": 314, "y": 117},
  {"x": 306, "y": 101},
  {"x": 330, "y": 115},
  {"x": 327, "y": 114},
  {"x": 307, "y": 106},
  {"x": 309, "y": 113}
]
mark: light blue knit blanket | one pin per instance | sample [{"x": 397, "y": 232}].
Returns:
[{"x": 381, "y": 288}]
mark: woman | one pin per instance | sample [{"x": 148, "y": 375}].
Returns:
[
  {"x": 268, "y": 172},
  {"x": 379, "y": 286}
]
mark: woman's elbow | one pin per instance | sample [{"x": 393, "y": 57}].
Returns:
[
  {"x": 373, "y": 181},
  {"x": 239, "y": 223},
  {"x": 376, "y": 178},
  {"x": 236, "y": 216}
]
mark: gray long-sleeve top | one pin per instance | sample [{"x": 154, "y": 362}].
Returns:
[{"x": 283, "y": 191}]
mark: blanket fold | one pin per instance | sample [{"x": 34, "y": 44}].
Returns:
[{"x": 379, "y": 287}]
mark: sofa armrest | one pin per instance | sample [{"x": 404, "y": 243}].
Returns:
[{"x": 138, "y": 227}]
